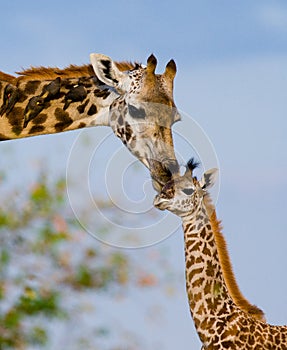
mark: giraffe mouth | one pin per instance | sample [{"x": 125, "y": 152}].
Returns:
[
  {"x": 160, "y": 203},
  {"x": 162, "y": 172}
]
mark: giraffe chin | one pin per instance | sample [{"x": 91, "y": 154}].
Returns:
[{"x": 160, "y": 203}]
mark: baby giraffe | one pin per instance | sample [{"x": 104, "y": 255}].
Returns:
[{"x": 220, "y": 323}]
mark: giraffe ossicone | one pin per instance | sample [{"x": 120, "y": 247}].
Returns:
[
  {"x": 223, "y": 318},
  {"x": 132, "y": 99}
]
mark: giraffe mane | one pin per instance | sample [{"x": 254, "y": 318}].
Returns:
[
  {"x": 51, "y": 73},
  {"x": 7, "y": 77},
  {"x": 226, "y": 265}
]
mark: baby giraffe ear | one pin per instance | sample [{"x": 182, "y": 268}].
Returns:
[
  {"x": 107, "y": 71},
  {"x": 209, "y": 178}
]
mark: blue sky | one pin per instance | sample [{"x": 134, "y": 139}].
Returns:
[
  {"x": 57, "y": 33},
  {"x": 232, "y": 80}
]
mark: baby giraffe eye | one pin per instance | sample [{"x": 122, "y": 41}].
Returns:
[{"x": 188, "y": 191}]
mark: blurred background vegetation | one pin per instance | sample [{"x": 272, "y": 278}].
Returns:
[{"x": 54, "y": 277}]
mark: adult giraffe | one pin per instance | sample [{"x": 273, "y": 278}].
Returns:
[
  {"x": 220, "y": 323},
  {"x": 130, "y": 98}
]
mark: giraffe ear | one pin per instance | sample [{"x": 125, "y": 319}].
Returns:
[
  {"x": 209, "y": 178},
  {"x": 107, "y": 71}
]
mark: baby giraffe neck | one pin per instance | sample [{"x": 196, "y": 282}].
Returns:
[{"x": 206, "y": 289}]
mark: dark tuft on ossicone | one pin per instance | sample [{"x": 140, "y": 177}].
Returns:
[{"x": 192, "y": 164}]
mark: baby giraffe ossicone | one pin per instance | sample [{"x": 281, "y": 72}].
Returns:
[{"x": 220, "y": 322}]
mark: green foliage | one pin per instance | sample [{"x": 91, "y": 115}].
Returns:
[
  {"x": 38, "y": 336},
  {"x": 51, "y": 258},
  {"x": 4, "y": 259},
  {"x": 32, "y": 303},
  {"x": 49, "y": 237},
  {"x": 10, "y": 330},
  {"x": 11, "y": 319},
  {"x": 4, "y": 219},
  {"x": 40, "y": 194}
]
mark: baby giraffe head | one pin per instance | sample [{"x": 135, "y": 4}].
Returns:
[{"x": 182, "y": 195}]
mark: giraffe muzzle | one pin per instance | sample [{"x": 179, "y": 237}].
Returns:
[
  {"x": 160, "y": 202},
  {"x": 162, "y": 172}
]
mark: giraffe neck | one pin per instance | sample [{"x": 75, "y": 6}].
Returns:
[
  {"x": 220, "y": 323},
  {"x": 207, "y": 292},
  {"x": 38, "y": 107}
]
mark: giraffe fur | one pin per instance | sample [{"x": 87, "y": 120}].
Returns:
[
  {"x": 132, "y": 99},
  {"x": 221, "y": 324}
]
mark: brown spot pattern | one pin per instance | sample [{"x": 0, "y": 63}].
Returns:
[
  {"x": 92, "y": 110},
  {"x": 16, "y": 119},
  {"x": 64, "y": 120},
  {"x": 36, "y": 129},
  {"x": 81, "y": 108},
  {"x": 40, "y": 119},
  {"x": 31, "y": 87},
  {"x": 3, "y": 138}
]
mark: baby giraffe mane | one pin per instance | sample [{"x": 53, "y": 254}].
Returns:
[
  {"x": 226, "y": 265},
  {"x": 51, "y": 73}
]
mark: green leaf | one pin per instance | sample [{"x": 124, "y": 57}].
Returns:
[
  {"x": 38, "y": 336},
  {"x": 31, "y": 303}
]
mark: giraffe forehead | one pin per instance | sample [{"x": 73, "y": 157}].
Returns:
[{"x": 151, "y": 89}]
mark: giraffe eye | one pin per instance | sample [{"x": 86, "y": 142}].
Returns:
[
  {"x": 188, "y": 191},
  {"x": 138, "y": 113}
]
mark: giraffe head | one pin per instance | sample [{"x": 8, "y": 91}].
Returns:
[
  {"x": 182, "y": 195},
  {"x": 143, "y": 113}
]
